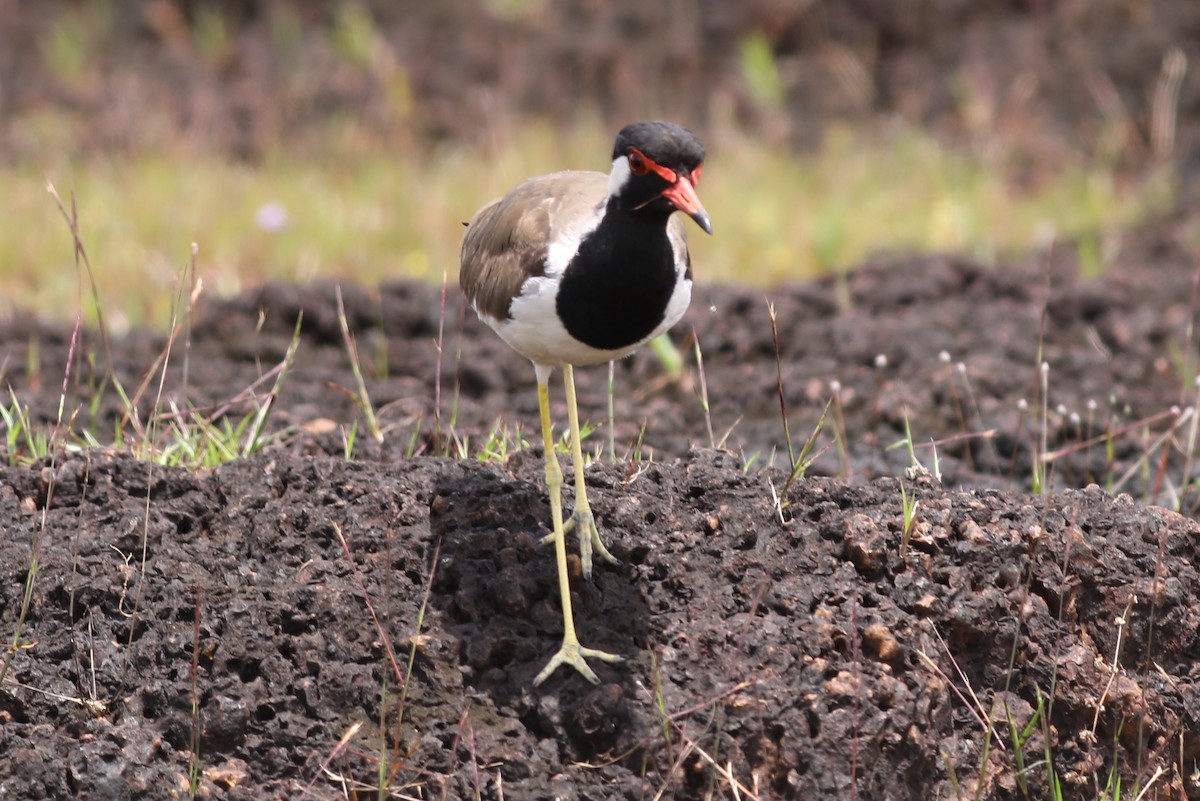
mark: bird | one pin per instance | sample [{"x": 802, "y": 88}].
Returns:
[{"x": 579, "y": 268}]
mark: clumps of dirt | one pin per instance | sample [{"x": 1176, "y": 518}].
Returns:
[
  {"x": 1001, "y": 376},
  {"x": 793, "y": 647},
  {"x": 294, "y": 619}
]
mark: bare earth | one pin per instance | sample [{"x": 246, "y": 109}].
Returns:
[
  {"x": 300, "y": 624},
  {"x": 782, "y": 639}
]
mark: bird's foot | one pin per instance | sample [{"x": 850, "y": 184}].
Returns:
[
  {"x": 584, "y": 523},
  {"x": 574, "y": 654}
]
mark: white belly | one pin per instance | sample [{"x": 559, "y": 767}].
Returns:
[{"x": 534, "y": 330}]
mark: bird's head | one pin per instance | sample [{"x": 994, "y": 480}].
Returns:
[{"x": 656, "y": 166}]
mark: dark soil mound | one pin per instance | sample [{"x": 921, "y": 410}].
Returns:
[{"x": 298, "y": 619}]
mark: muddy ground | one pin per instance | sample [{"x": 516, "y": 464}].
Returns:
[
  {"x": 384, "y": 614},
  {"x": 317, "y": 620}
]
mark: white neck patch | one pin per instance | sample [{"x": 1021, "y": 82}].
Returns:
[{"x": 619, "y": 177}]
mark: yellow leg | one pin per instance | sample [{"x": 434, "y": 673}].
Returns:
[
  {"x": 571, "y": 652},
  {"x": 581, "y": 516}
]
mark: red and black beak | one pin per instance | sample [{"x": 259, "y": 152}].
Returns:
[
  {"x": 682, "y": 189},
  {"x": 683, "y": 195}
]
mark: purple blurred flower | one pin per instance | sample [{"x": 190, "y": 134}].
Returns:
[{"x": 272, "y": 217}]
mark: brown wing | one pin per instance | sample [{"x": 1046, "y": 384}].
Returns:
[{"x": 507, "y": 240}]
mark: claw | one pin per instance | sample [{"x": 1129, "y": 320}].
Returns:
[
  {"x": 589, "y": 539},
  {"x": 573, "y": 654}
]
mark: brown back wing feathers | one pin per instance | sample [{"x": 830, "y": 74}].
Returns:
[{"x": 507, "y": 240}]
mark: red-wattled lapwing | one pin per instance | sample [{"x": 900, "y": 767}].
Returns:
[{"x": 579, "y": 268}]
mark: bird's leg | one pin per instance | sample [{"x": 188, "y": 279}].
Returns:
[
  {"x": 571, "y": 652},
  {"x": 581, "y": 517}
]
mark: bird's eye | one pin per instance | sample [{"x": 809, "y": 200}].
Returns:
[{"x": 637, "y": 163}]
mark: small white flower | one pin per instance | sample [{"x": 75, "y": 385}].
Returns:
[{"x": 272, "y": 217}]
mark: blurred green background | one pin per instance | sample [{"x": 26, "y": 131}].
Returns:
[{"x": 297, "y": 140}]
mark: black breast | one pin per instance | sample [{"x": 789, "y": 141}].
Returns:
[{"x": 614, "y": 293}]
